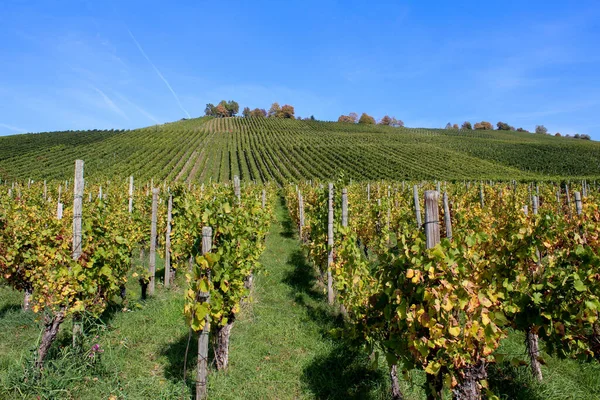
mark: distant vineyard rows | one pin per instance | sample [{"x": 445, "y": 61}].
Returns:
[{"x": 265, "y": 149}]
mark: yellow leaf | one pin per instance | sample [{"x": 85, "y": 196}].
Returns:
[
  {"x": 454, "y": 331},
  {"x": 485, "y": 319},
  {"x": 433, "y": 368}
]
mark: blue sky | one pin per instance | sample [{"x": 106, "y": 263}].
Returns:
[{"x": 126, "y": 64}]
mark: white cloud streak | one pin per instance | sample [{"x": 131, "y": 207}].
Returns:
[
  {"x": 110, "y": 103},
  {"x": 13, "y": 128},
  {"x": 140, "y": 109},
  {"x": 158, "y": 72}
]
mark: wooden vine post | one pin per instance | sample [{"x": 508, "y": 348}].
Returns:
[
  {"x": 330, "y": 246},
  {"x": 432, "y": 217},
  {"x": 344, "y": 207},
  {"x": 447, "y": 217},
  {"x": 432, "y": 235},
  {"x": 130, "y": 194},
  {"x": 481, "y": 196},
  {"x": 300, "y": 214},
  {"x": 531, "y": 336},
  {"x": 202, "y": 363},
  {"x": 568, "y": 199},
  {"x": 168, "y": 243},
  {"x": 78, "y": 186},
  {"x": 417, "y": 206},
  {"x": 152, "y": 263},
  {"x": 578, "y": 203},
  {"x": 264, "y": 198},
  {"x": 236, "y": 188}
]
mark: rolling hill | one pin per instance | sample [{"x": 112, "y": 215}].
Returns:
[{"x": 264, "y": 149}]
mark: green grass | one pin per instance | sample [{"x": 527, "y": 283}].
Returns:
[{"x": 281, "y": 348}]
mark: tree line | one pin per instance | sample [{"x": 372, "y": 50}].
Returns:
[
  {"x": 503, "y": 126},
  {"x": 231, "y": 108},
  {"x": 366, "y": 119}
]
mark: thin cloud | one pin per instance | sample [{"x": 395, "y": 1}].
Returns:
[
  {"x": 140, "y": 109},
  {"x": 13, "y": 128},
  {"x": 158, "y": 73},
  {"x": 110, "y": 103}
]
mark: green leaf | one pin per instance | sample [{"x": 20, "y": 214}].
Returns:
[{"x": 579, "y": 286}]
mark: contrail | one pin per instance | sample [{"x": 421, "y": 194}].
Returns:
[
  {"x": 158, "y": 72},
  {"x": 110, "y": 103},
  {"x": 12, "y": 128},
  {"x": 140, "y": 109}
]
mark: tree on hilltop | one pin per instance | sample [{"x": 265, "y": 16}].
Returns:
[
  {"x": 209, "y": 111},
  {"x": 351, "y": 118},
  {"x": 274, "y": 110},
  {"x": 231, "y": 106},
  {"x": 541, "y": 129},
  {"x": 258, "y": 113},
  {"x": 503, "y": 126},
  {"x": 466, "y": 126},
  {"x": 223, "y": 109},
  {"x": 397, "y": 123},
  {"x": 246, "y": 112},
  {"x": 346, "y": 119},
  {"x": 287, "y": 111},
  {"x": 483, "y": 126},
  {"x": 386, "y": 120},
  {"x": 366, "y": 119}
]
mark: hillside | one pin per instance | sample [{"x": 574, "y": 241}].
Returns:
[{"x": 197, "y": 150}]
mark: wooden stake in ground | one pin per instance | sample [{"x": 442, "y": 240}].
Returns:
[
  {"x": 447, "y": 217},
  {"x": 481, "y": 197},
  {"x": 168, "y": 244},
  {"x": 202, "y": 363},
  {"x": 432, "y": 235},
  {"x": 130, "y": 194},
  {"x": 236, "y": 188},
  {"x": 531, "y": 336},
  {"x": 417, "y": 206},
  {"x": 152, "y": 262},
  {"x": 330, "y": 246},
  {"x": 578, "y": 203},
  {"x": 344, "y": 207},
  {"x": 432, "y": 218},
  {"x": 77, "y": 208},
  {"x": 568, "y": 199},
  {"x": 77, "y": 237},
  {"x": 300, "y": 214}
]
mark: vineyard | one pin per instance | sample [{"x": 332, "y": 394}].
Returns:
[
  {"x": 70, "y": 253},
  {"x": 206, "y": 150},
  {"x": 271, "y": 258},
  {"x": 436, "y": 283}
]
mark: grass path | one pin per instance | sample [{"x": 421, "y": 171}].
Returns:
[{"x": 281, "y": 348}]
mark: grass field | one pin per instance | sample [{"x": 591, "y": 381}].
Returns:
[{"x": 281, "y": 348}]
